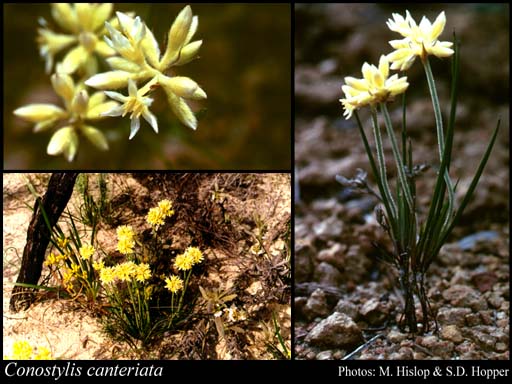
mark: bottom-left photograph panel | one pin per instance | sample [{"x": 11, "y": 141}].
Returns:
[{"x": 143, "y": 266}]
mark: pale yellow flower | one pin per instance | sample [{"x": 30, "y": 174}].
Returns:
[
  {"x": 135, "y": 103},
  {"x": 184, "y": 262},
  {"x": 195, "y": 254},
  {"x": 107, "y": 275},
  {"x": 125, "y": 236},
  {"x": 43, "y": 353},
  {"x": 155, "y": 217},
  {"x": 125, "y": 271},
  {"x": 125, "y": 246},
  {"x": 165, "y": 207},
  {"x": 50, "y": 260},
  {"x": 86, "y": 251},
  {"x": 125, "y": 232},
  {"x": 141, "y": 60},
  {"x": 419, "y": 40},
  {"x": 98, "y": 265},
  {"x": 83, "y": 26},
  {"x": 79, "y": 108},
  {"x": 174, "y": 284},
  {"x": 21, "y": 350},
  {"x": 142, "y": 272},
  {"x": 375, "y": 87}
]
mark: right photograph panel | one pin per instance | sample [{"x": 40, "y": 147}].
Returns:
[{"x": 401, "y": 182}]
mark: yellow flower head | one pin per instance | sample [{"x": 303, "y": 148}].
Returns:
[
  {"x": 75, "y": 268},
  {"x": 155, "y": 217},
  {"x": 125, "y": 271},
  {"x": 125, "y": 232},
  {"x": 51, "y": 260},
  {"x": 419, "y": 40},
  {"x": 142, "y": 272},
  {"x": 135, "y": 103},
  {"x": 83, "y": 26},
  {"x": 43, "y": 353},
  {"x": 125, "y": 245},
  {"x": 375, "y": 87},
  {"x": 98, "y": 265},
  {"x": 165, "y": 207},
  {"x": 21, "y": 350},
  {"x": 86, "y": 251},
  {"x": 174, "y": 284},
  {"x": 195, "y": 254},
  {"x": 62, "y": 242},
  {"x": 184, "y": 262},
  {"x": 107, "y": 275}
]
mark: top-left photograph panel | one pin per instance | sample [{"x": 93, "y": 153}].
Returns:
[{"x": 147, "y": 86}]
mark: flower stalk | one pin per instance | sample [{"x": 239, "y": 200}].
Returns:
[{"x": 415, "y": 247}]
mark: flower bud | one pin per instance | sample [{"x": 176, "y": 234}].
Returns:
[
  {"x": 109, "y": 80},
  {"x": 63, "y": 86},
  {"x": 39, "y": 112},
  {"x": 64, "y": 141},
  {"x": 95, "y": 136}
]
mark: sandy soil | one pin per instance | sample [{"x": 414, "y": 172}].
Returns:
[{"x": 72, "y": 332}]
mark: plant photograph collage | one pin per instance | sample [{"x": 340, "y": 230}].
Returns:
[{"x": 255, "y": 181}]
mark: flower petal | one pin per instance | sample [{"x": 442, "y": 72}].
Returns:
[
  {"x": 134, "y": 127},
  {"x": 151, "y": 119},
  {"x": 177, "y": 36},
  {"x": 123, "y": 64},
  {"x": 65, "y": 16},
  {"x": 181, "y": 110},
  {"x": 189, "y": 52},
  {"x": 65, "y": 140},
  {"x": 438, "y": 26},
  {"x": 101, "y": 14},
  {"x": 115, "y": 111},
  {"x": 63, "y": 85}
]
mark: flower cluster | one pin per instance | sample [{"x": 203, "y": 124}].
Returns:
[
  {"x": 84, "y": 28},
  {"x": 157, "y": 215},
  {"x": 188, "y": 259},
  {"x": 125, "y": 239},
  {"x": 376, "y": 86},
  {"x": 141, "y": 60},
  {"x": 419, "y": 40},
  {"x": 130, "y": 49},
  {"x": 232, "y": 313},
  {"x": 80, "y": 109},
  {"x": 22, "y": 350},
  {"x": 125, "y": 272}
]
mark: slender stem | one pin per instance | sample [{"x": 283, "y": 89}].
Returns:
[
  {"x": 398, "y": 158},
  {"x": 382, "y": 163},
  {"x": 440, "y": 134}
]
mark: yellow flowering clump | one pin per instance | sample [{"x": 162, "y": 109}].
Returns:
[
  {"x": 125, "y": 239},
  {"x": 86, "y": 251},
  {"x": 157, "y": 215},
  {"x": 375, "y": 87},
  {"x": 140, "y": 60},
  {"x": 79, "y": 108},
  {"x": 174, "y": 284},
  {"x": 419, "y": 40}
]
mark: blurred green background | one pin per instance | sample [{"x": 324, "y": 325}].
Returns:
[{"x": 244, "y": 67}]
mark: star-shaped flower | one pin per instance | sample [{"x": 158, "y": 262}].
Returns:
[
  {"x": 375, "y": 87},
  {"x": 136, "y": 103},
  {"x": 419, "y": 40}
]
